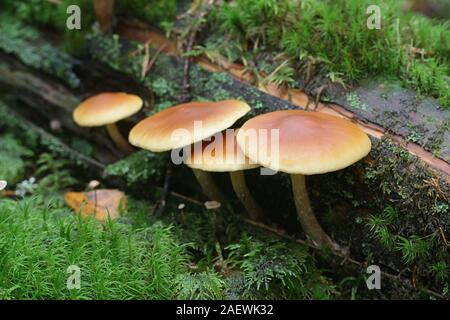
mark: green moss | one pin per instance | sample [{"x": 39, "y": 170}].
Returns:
[
  {"x": 441, "y": 271},
  {"x": 206, "y": 285},
  {"x": 215, "y": 86},
  {"x": 107, "y": 48},
  {"x": 355, "y": 102},
  {"x": 411, "y": 227},
  {"x": 222, "y": 77},
  {"x": 416, "y": 133},
  {"x": 157, "y": 12},
  {"x": 331, "y": 38},
  {"x": 140, "y": 167},
  {"x": 429, "y": 77},
  {"x": 441, "y": 208},
  {"x": 49, "y": 238},
  {"x": 381, "y": 227},
  {"x": 119, "y": 261},
  {"x": 13, "y": 157},
  {"x": 259, "y": 266},
  {"x": 163, "y": 88},
  {"x": 9, "y": 123},
  {"x": 414, "y": 248},
  {"x": 25, "y": 43},
  {"x": 33, "y": 137},
  {"x": 271, "y": 265},
  {"x": 438, "y": 138},
  {"x": 46, "y": 13}
]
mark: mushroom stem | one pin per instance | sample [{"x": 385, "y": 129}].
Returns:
[
  {"x": 104, "y": 12},
  {"x": 244, "y": 195},
  {"x": 118, "y": 139},
  {"x": 209, "y": 187},
  {"x": 305, "y": 214}
]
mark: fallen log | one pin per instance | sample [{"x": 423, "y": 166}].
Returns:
[
  {"x": 380, "y": 107},
  {"x": 346, "y": 264},
  {"x": 345, "y": 201}
]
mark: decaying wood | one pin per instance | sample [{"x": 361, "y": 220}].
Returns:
[
  {"x": 104, "y": 12},
  {"x": 337, "y": 259},
  {"x": 371, "y": 123},
  {"x": 25, "y": 124},
  {"x": 45, "y": 99}
]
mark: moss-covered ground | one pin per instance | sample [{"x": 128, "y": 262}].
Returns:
[
  {"x": 390, "y": 210},
  {"x": 188, "y": 253}
]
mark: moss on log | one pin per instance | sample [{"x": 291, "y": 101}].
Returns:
[{"x": 390, "y": 209}]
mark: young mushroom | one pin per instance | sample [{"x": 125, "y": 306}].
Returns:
[
  {"x": 224, "y": 155},
  {"x": 308, "y": 143},
  {"x": 106, "y": 109},
  {"x": 182, "y": 125}
]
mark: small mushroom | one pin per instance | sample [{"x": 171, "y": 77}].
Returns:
[
  {"x": 106, "y": 109},
  {"x": 185, "y": 124},
  {"x": 93, "y": 184},
  {"x": 212, "y": 205},
  {"x": 224, "y": 155},
  {"x": 308, "y": 143}
]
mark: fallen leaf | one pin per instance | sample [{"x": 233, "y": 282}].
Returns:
[{"x": 98, "y": 203}]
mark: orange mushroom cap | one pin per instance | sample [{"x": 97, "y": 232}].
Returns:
[
  {"x": 308, "y": 142},
  {"x": 175, "y": 127},
  {"x": 106, "y": 108}
]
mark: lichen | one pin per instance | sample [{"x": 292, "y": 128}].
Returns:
[
  {"x": 140, "y": 167},
  {"x": 26, "y": 44},
  {"x": 355, "y": 102},
  {"x": 13, "y": 157},
  {"x": 420, "y": 225},
  {"x": 33, "y": 138}
]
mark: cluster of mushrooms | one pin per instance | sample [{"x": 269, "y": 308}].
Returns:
[{"x": 308, "y": 143}]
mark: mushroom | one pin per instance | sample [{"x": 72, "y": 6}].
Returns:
[
  {"x": 308, "y": 143},
  {"x": 224, "y": 155},
  {"x": 107, "y": 109},
  {"x": 185, "y": 124}
]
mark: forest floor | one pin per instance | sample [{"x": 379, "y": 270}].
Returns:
[
  {"x": 391, "y": 209},
  {"x": 189, "y": 252}
]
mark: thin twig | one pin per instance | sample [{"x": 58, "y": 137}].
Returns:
[
  {"x": 185, "y": 95},
  {"x": 346, "y": 258},
  {"x": 283, "y": 234},
  {"x": 197, "y": 13},
  {"x": 160, "y": 205},
  {"x": 148, "y": 63},
  {"x": 188, "y": 199}
]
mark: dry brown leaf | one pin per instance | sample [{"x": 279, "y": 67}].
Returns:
[{"x": 98, "y": 203}]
